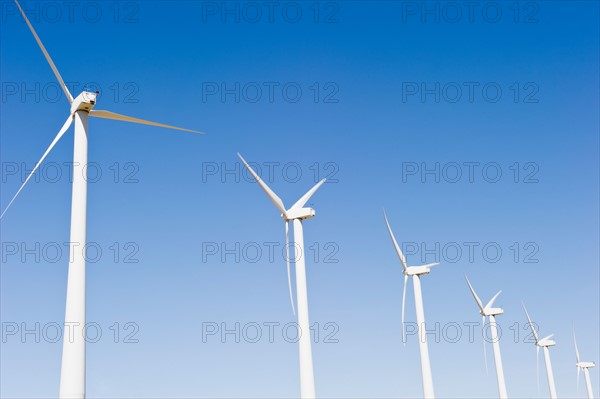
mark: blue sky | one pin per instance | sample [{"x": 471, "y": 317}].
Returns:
[{"x": 365, "y": 93}]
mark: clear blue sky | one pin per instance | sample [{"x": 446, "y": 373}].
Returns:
[{"x": 367, "y": 116}]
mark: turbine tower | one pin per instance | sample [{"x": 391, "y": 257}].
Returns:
[
  {"x": 491, "y": 313},
  {"x": 416, "y": 272},
  {"x": 72, "y": 375},
  {"x": 585, "y": 366},
  {"x": 297, "y": 214},
  {"x": 544, "y": 343}
]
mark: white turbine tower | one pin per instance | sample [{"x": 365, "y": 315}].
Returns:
[
  {"x": 585, "y": 366},
  {"x": 491, "y": 313},
  {"x": 296, "y": 214},
  {"x": 544, "y": 343},
  {"x": 72, "y": 376},
  {"x": 416, "y": 272}
]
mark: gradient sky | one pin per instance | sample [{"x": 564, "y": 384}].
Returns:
[{"x": 168, "y": 199}]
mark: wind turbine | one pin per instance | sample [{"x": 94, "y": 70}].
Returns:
[
  {"x": 585, "y": 366},
  {"x": 296, "y": 214},
  {"x": 416, "y": 272},
  {"x": 491, "y": 313},
  {"x": 72, "y": 375},
  {"x": 544, "y": 343}
]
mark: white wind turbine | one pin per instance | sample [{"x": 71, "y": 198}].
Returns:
[
  {"x": 72, "y": 376},
  {"x": 296, "y": 214},
  {"x": 416, "y": 272},
  {"x": 585, "y": 366},
  {"x": 491, "y": 313},
  {"x": 543, "y": 343}
]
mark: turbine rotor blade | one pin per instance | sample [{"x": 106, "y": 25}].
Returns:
[
  {"x": 548, "y": 337},
  {"x": 479, "y": 303},
  {"x": 576, "y": 350},
  {"x": 398, "y": 250},
  {"x": 535, "y": 335},
  {"x": 48, "y": 58},
  {"x": 98, "y": 113},
  {"x": 537, "y": 367},
  {"x": 300, "y": 203},
  {"x": 403, "y": 305},
  {"x": 491, "y": 302},
  {"x": 62, "y": 131},
  {"x": 484, "y": 348},
  {"x": 287, "y": 259},
  {"x": 272, "y": 196}
]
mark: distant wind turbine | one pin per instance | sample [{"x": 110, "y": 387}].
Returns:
[
  {"x": 491, "y": 313},
  {"x": 72, "y": 375},
  {"x": 585, "y": 366},
  {"x": 296, "y": 214},
  {"x": 544, "y": 343},
  {"x": 416, "y": 272}
]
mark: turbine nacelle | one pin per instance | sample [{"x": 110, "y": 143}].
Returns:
[
  {"x": 419, "y": 270},
  {"x": 84, "y": 101},
  {"x": 546, "y": 341},
  {"x": 585, "y": 365},
  {"x": 298, "y": 213},
  {"x": 492, "y": 312}
]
